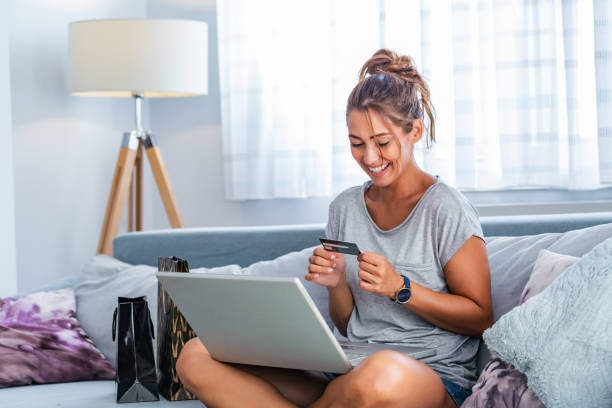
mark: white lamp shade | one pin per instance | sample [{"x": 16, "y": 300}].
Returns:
[{"x": 120, "y": 58}]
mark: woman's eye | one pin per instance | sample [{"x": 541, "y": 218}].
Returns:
[{"x": 361, "y": 144}]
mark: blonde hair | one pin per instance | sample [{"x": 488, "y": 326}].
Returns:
[{"x": 391, "y": 86}]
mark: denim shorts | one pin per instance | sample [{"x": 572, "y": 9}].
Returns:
[{"x": 456, "y": 392}]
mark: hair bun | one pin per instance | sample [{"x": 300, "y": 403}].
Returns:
[{"x": 385, "y": 61}]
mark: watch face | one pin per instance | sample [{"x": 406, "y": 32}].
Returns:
[{"x": 403, "y": 295}]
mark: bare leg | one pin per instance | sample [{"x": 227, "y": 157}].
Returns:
[
  {"x": 387, "y": 379},
  {"x": 218, "y": 384},
  {"x": 300, "y": 387}
]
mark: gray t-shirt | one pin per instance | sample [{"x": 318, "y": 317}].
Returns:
[{"x": 440, "y": 223}]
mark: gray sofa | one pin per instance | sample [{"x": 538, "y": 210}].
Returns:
[{"x": 513, "y": 243}]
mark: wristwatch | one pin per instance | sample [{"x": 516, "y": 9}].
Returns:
[{"x": 403, "y": 294}]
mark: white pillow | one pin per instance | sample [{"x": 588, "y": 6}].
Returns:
[
  {"x": 102, "y": 281},
  {"x": 102, "y": 266}
]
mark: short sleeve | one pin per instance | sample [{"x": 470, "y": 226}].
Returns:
[
  {"x": 331, "y": 229},
  {"x": 457, "y": 222}
]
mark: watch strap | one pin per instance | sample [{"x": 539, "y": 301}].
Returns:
[{"x": 406, "y": 285}]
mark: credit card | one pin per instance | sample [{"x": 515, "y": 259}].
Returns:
[{"x": 349, "y": 248}]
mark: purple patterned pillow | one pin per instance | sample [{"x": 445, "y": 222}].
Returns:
[
  {"x": 42, "y": 342},
  {"x": 500, "y": 384}
]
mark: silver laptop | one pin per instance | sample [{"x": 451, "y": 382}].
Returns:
[{"x": 266, "y": 321}]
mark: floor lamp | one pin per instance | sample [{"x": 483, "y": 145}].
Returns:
[{"x": 137, "y": 58}]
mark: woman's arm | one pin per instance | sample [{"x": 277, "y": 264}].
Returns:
[
  {"x": 341, "y": 305},
  {"x": 329, "y": 269},
  {"x": 467, "y": 309}
]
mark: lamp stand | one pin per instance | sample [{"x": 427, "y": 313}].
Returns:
[{"x": 128, "y": 179}]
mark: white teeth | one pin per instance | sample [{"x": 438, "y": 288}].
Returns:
[{"x": 378, "y": 169}]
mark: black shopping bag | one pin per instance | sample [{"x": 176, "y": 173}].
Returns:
[
  {"x": 132, "y": 326},
  {"x": 173, "y": 331}
]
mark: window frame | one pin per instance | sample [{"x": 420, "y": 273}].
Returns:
[{"x": 540, "y": 201}]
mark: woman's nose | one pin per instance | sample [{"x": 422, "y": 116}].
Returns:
[{"x": 372, "y": 155}]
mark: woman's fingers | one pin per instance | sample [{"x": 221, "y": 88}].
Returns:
[
  {"x": 322, "y": 264},
  {"x": 368, "y": 277},
  {"x": 323, "y": 275},
  {"x": 323, "y": 253},
  {"x": 311, "y": 276},
  {"x": 368, "y": 267},
  {"x": 322, "y": 257},
  {"x": 371, "y": 257},
  {"x": 313, "y": 268},
  {"x": 317, "y": 260},
  {"x": 366, "y": 286}
]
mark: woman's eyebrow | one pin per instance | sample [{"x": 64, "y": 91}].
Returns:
[{"x": 371, "y": 137}]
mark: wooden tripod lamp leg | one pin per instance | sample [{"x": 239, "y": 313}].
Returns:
[
  {"x": 135, "y": 194},
  {"x": 118, "y": 193},
  {"x": 138, "y": 192},
  {"x": 131, "y": 202},
  {"x": 163, "y": 182}
]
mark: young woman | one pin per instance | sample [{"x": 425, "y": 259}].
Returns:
[{"x": 423, "y": 279}]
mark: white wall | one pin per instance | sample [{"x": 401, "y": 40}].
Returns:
[
  {"x": 8, "y": 272},
  {"x": 65, "y": 147},
  {"x": 189, "y": 134}
]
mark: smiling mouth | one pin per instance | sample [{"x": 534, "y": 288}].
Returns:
[{"x": 378, "y": 170}]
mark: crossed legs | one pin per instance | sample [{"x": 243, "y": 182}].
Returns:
[
  {"x": 384, "y": 379},
  {"x": 219, "y": 384}
]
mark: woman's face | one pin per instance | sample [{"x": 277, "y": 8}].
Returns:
[{"x": 396, "y": 150}]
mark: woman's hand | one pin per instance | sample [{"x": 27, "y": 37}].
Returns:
[
  {"x": 326, "y": 268},
  {"x": 377, "y": 275}
]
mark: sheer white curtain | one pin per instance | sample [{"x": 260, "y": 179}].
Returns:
[
  {"x": 522, "y": 90},
  {"x": 274, "y": 59}
]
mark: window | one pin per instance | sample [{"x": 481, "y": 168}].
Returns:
[{"x": 522, "y": 91}]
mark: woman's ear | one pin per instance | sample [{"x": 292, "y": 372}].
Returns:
[{"x": 417, "y": 131}]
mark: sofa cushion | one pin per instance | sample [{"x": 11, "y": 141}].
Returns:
[
  {"x": 102, "y": 266},
  {"x": 512, "y": 258},
  {"x": 102, "y": 280},
  {"x": 41, "y": 341},
  {"x": 83, "y": 394},
  {"x": 561, "y": 338}
]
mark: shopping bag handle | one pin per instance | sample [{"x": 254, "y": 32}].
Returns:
[
  {"x": 150, "y": 323},
  {"x": 114, "y": 324}
]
